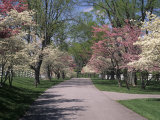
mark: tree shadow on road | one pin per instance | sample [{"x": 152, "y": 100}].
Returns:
[{"x": 47, "y": 108}]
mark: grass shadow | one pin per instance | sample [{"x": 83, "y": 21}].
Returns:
[{"x": 14, "y": 101}]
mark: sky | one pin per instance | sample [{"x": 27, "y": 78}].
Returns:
[{"x": 87, "y": 9}]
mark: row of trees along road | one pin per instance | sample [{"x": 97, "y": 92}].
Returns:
[
  {"x": 117, "y": 45},
  {"x": 28, "y": 31},
  {"x": 104, "y": 38}
]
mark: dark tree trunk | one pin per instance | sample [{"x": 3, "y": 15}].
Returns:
[
  {"x": 144, "y": 76},
  {"x": 118, "y": 78},
  {"x": 63, "y": 75},
  {"x": 112, "y": 75},
  {"x": 135, "y": 79},
  {"x": 125, "y": 74},
  {"x": 49, "y": 73},
  {"x": 142, "y": 83},
  {"x": 37, "y": 74},
  {"x": 58, "y": 75},
  {"x": 37, "y": 70},
  {"x": 7, "y": 75},
  {"x": 130, "y": 77}
]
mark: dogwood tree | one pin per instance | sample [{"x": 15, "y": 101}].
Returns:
[
  {"x": 31, "y": 54},
  {"x": 116, "y": 44},
  {"x": 100, "y": 64},
  {"x": 150, "y": 45},
  {"x": 13, "y": 19},
  {"x": 88, "y": 69},
  {"x": 149, "y": 59},
  {"x": 58, "y": 62},
  {"x": 8, "y": 5}
]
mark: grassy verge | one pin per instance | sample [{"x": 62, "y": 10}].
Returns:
[
  {"x": 111, "y": 85},
  {"x": 149, "y": 108},
  {"x": 16, "y": 100}
]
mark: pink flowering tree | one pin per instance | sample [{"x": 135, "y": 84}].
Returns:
[
  {"x": 8, "y": 5},
  {"x": 116, "y": 44},
  {"x": 5, "y": 7}
]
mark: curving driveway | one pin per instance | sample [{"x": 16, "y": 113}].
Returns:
[
  {"x": 78, "y": 99},
  {"x": 127, "y": 96}
]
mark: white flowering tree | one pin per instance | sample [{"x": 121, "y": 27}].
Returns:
[
  {"x": 11, "y": 40},
  {"x": 30, "y": 56},
  {"x": 88, "y": 70},
  {"x": 150, "y": 44},
  {"x": 58, "y": 62}
]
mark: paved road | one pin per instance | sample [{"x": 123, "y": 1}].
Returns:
[
  {"x": 78, "y": 99},
  {"x": 126, "y": 96}
]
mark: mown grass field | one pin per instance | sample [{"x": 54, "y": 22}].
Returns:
[
  {"x": 149, "y": 108},
  {"x": 16, "y": 100},
  {"x": 112, "y": 85}
]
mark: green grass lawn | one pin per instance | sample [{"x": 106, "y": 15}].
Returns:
[
  {"x": 16, "y": 100},
  {"x": 149, "y": 108},
  {"x": 112, "y": 85}
]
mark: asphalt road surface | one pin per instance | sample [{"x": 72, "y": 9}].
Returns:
[{"x": 78, "y": 99}]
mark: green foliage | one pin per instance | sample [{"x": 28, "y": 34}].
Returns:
[
  {"x": 81, "y": 53},
  {"x": 15, "y": 101},
  {"x": 81, "y": 30},
  {"x": 51, "y": 18},
  {"x": 117, "y": 11},
  {"x": 149, "y": 108}
]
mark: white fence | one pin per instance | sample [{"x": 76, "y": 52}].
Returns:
[{"x": 26, "y": 73}]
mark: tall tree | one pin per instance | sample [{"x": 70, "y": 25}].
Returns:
[
  {"x": 50, "y": 15},
  {"x": 116, "y": 11}
]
